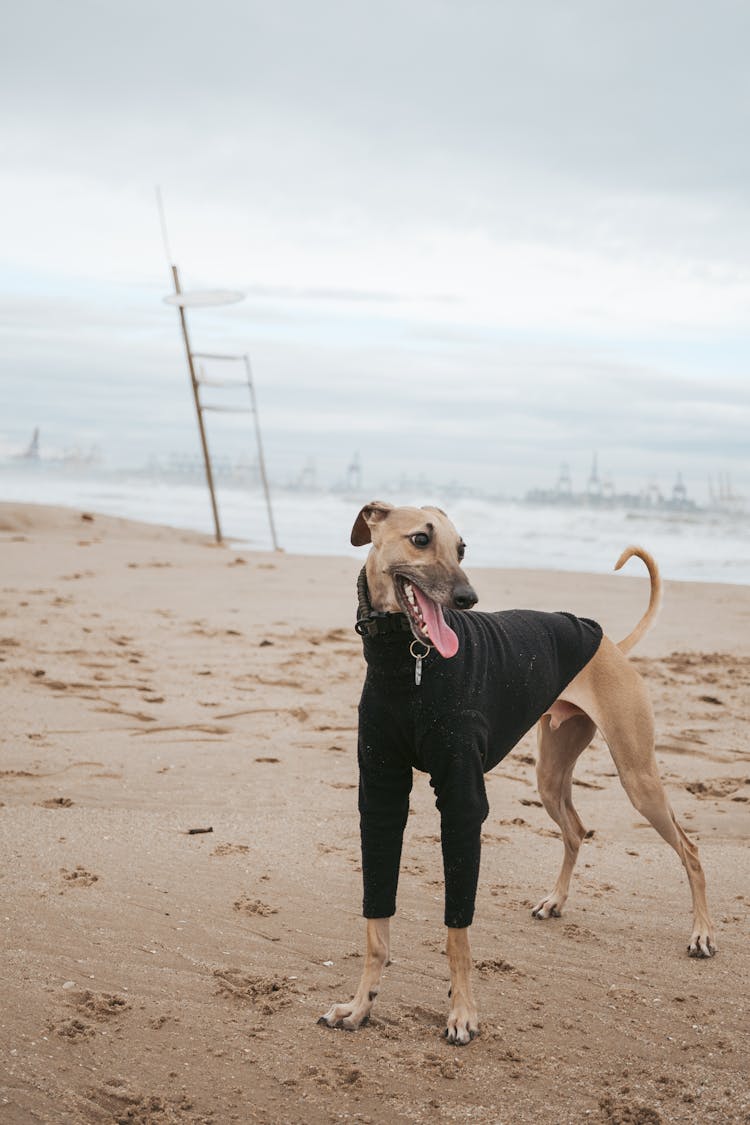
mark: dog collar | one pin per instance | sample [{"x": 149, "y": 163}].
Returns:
[
  {"x": 372, "y": 622},
  {"x": 378, "y": 623}
]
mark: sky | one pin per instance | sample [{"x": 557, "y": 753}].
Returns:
[{"x": 477, "y": 239}]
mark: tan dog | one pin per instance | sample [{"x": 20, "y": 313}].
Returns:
[{"x": 413, "y": 569}]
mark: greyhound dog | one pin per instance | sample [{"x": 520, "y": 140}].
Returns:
[{"x": 450, "y": 693}]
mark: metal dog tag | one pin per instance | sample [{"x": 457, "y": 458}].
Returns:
[{"x": 418, "y": 658}]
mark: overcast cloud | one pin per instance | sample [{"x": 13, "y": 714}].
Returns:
[{"x": 486, "y": 235}]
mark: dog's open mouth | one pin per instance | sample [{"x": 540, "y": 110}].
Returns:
[{"x": 425, "y": 617}]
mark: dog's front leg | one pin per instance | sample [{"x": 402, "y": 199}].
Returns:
[
  {"x": 463, "y": 1019},
  {"x": 353, "y": 1015}
]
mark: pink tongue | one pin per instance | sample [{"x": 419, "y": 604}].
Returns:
[{"x": 441, "y": 634}]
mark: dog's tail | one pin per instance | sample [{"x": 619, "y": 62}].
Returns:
[{"x": 654, "y": 601}]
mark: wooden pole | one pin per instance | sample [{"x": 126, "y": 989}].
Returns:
[
  {"x": 198, "y": 411},
  {"x": 261, "y": 458}
]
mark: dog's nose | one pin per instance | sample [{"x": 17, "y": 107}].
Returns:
[{"x": 464, "y": 597}]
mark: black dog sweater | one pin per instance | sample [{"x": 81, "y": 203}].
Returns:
[{"x": 468, "y": 712}]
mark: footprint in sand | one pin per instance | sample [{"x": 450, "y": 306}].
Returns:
[
  {"x": 80, "y": 877},
  {"x": 155, "y": 564},
  {"x": 294, "y": 684},
  {"x": 267, "y": 993},
  {"x": 717, "y": 787},
  {"x": 99, "y": 1006},
  {"x": 341, "y": 1075},
  {"x": 203, "y": 728},
  {"x": 114, "y": 1100},
  {"x": 614, "y": 1113},
  {"x": 445, "y": 1068},
  {"x": 56, "y": 803},
  {"x": 422, "y": 1015},
  {"x": 231, "y": 849},
  {"x": 493, "y": 838},
  {"x": 493, "y": 965},
  {"x": 53, "y": 685},
  {"x": 576, "y": 932},
  {"x": 112, "y": 708},
  {"x": 73, "y": 1030},
  {"x": 246, "y": 905},
  {"x": 122, "y": 640}
]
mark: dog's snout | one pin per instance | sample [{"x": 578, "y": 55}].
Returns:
[{"x": 464, "y": 597}]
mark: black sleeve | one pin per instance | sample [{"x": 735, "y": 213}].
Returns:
[
  {"x": 455, "y": 750},
  {"x": 385, "y": 781}
]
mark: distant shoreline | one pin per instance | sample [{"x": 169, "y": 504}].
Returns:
[{"x": 504, "y": 534}]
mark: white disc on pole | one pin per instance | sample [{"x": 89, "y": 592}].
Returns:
[{"x": 203, "y": 298}]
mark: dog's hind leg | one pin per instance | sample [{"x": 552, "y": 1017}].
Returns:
[
  {"x": 558, "y": 752},
  {"x": 628, "y": 729},
  {"x": 377, "y": 953}
]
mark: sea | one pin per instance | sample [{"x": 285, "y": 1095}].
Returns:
[{"x": 697, "y": 545}]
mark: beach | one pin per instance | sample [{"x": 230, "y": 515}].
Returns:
[
  {"x": 154, "y": 684},
  {"x": 705, "y": 545}
]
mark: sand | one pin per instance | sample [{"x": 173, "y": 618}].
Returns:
[{"x": 153, "y": 683}]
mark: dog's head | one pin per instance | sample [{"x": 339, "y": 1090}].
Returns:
[{"x": 414, "y": 567}]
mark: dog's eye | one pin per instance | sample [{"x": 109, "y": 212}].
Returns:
[
  {"x": 461, "y": 551},
  {"x": 420, "y": 539}
]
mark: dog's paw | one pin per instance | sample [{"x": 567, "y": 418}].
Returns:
[
  {"x": 462, "y": 1027},
  {"x": 702, "y": 944},
  {"x": 345, "y": 1017},
  {"x": 547, "y": 908}
]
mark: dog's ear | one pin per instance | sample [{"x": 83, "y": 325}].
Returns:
[{"x": 372, "y": 513}]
